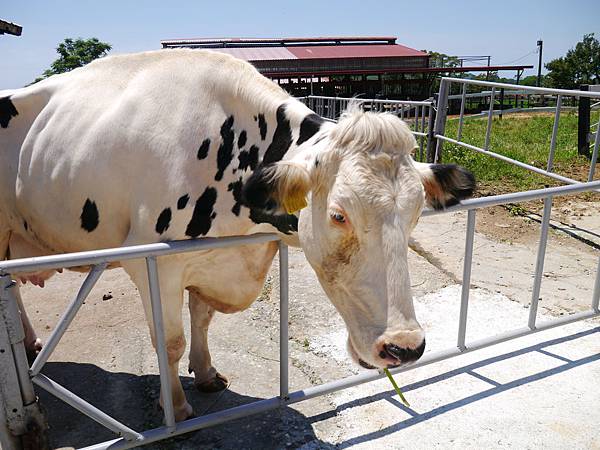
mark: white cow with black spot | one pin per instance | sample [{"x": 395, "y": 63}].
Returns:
[{"x": 180, "y": 144}]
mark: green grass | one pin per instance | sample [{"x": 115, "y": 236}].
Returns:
[{"x": 524, "y": 138}]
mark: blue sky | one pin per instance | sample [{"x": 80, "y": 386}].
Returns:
[{"x": 507, "y": 31}]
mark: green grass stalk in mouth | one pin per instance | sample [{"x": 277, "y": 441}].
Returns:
[{"x": 398, "y": 391}]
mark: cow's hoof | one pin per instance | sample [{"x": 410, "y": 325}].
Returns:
[
  {"x": 32, "y": 349},
  {"x": 216, "y": 384},
  {"x": 183, "y": 412}
]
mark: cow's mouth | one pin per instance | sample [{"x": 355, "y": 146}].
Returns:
[{"x": 365, "y": 365}]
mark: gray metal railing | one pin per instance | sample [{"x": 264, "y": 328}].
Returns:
[
  {"x": 17, "y": 399},
  {"x": 99, "y": 260},
  {"x": 559, "y": 94}
]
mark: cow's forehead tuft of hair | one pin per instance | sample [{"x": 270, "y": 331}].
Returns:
[{"x": 359, "y": 131}]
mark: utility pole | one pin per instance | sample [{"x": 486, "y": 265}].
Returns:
[{"x": 540, "y": 44}]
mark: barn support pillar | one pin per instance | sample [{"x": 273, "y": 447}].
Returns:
[{"x": 22, "y": 423}]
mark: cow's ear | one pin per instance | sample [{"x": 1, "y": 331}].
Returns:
[
  {"x": 445, "y": 184},
  {"x": 277, "y": 188}
]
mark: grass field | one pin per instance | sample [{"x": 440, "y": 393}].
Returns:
[{"x": 526, "y": 138}]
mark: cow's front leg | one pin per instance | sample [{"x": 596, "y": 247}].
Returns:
[
  {"x": 207, "y": 379},
  {"x": 171, "y": 295}
]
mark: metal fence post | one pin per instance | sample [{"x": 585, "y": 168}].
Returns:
[
  {"x": 466, "y": 281},
  {"x": 429, "y": 151},
  {"x": 283, "y": 321},
  {"x": 539, "y": 265},
  {"x": 161, "y": 346},
  {"x": 583, "y": 123},
  {"x": 21, "y": 420},
  {"x": 440, "y": 120},
  {"x": 596, "y": 294}
]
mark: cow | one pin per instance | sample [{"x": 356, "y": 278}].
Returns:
[{"x": 182, "y": 144}]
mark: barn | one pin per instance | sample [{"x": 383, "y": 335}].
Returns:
[{"x": 371, "y": 66}]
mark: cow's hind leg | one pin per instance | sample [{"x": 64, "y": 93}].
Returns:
[
  {"x": 207, "y": 379},
  {"x": 33, "y": 345},
  {"x": 172, "y": 303}
]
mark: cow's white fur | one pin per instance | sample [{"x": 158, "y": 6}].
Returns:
[{"x": 124, "y": 132}]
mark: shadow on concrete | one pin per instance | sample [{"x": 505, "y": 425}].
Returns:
[
  {"x": 133, "y": 400},
  {"x": 496, "y": 388}
]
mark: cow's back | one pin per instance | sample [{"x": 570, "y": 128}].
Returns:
[{"x": 97, "y": 155}]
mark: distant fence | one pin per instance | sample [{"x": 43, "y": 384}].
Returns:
[
  {"x": 419, "y": 115},
  {"x": 557, "y": 96}
]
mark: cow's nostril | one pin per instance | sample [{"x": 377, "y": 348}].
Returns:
[
  {"x": 396, "y": 352},
  {"x": 403, "y": 354}
]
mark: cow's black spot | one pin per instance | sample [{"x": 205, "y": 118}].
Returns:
[
  {"x": 183, "y": 201},
  {"x": 242, "y": 139},
  {"x": 203, "y": 150},
  {"x": 7, "y": 111},
  {"x": 310, "y": 125},
  {"x": 282, "y": 138},
  {"x": 285, "y": 223},
  {"x": 248, "y": 158},
  {"x": 316, "y": 162},
  {"x": 225, "y": 153},
  {"x": 89, "y": 216},
  {"x": 163, "y": 221},
  {"x": 257, "y": 190},
  {"x": 25, "y": 225},
  {"x": 236, "y": 189},
  {"x": 262, "y": 126},
  {"x": 203, "y": 214},
  {"x": 255, "y": 118}
]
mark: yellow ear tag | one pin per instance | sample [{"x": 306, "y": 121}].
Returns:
[{"x": 294, "y": 203}]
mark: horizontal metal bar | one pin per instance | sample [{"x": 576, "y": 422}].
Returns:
[
  {"x": 515, "y": 197},
  {"x": 194, "y": 424},
  {"x": 507, "y": 159},
  {"x": 131, "y": 252},
  {"x": 527, "y": 89},
  {"x": 67, "y": 318},
  {"x": 167, "y": 248},
  {"x": 89, "y": 410}
]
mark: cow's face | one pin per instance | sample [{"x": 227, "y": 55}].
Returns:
[{"x": 365, "y": 195}]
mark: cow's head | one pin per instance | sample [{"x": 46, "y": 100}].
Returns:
[{"x": 360, "y": 195}]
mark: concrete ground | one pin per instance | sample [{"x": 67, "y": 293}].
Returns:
[{"x": 540, "y": 391}]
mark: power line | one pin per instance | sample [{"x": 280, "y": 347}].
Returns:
[{"x": 520, "y": 58}]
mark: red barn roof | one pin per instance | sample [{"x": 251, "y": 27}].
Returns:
[{"x": 354, "y": 51}]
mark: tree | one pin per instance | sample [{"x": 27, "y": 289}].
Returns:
[
  {"x": 531, "y": 80},
  {"x": 581, "y": 65},
  {"x": 440, "y": 60},
  {"x": 75, "y": 53}
]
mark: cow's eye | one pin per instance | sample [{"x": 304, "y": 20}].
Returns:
[{"x": 338, "y": 217}]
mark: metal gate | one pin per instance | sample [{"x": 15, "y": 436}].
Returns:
[{"x": 19, "y": 410}]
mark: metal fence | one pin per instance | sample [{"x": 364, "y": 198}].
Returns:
[
  {"x": 558, "y": 94},
  {"x": 18, "y": 407},
  {"x": 419, "y": 115}
]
